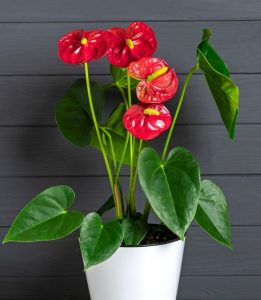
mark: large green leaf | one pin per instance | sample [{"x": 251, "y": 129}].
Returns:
[
  {"x": 119, "y": 76},
  {"x": 223, "y": 89},
  {"x": 46, "y": 217},
  {"x": 99, "y": 241},
  {"x": 134, "y": 231},
  {"x": 172, "y": 187},
  {"x": 212, "y": 213},
  {"x": 73, "y": 116}
]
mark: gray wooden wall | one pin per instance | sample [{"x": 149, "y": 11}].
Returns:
[{"x": 34, "y": 156}]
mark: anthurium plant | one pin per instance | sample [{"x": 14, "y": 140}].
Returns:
[{"x": 170, "y": 180}]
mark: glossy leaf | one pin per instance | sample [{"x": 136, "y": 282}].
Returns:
[
  {"x": 73, "y": 116},
  {"x": 172, "y": 187},
  {"x": 99, "y": 241},
  {"x": 212, "y": 213},
  {"x": 108, "y": 205},
  {"x": 223, "y": 89},
  {"x": 46, "y": 217},
  {"x": 73, "y": 121},
  {"x": 134, "y": 231},
  {"x": 119, "y": 76}
]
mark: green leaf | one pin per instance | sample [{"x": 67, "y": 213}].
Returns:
[
  {"x": 73, "y": 116},
  {"x": 46, "y": 217},
  {"x": 119, "y": 76},
  {"x": 223, "y": 89},
  {"x": 108, "y": 205},
  {"x": 172, "y": 187},
  {"x": 99, "y": 241},
  {"x": 212, "y": 213},
  {"x": 73, "y": 121},
  {"x": 134, "y": 231}
]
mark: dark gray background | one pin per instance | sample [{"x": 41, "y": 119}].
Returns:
[{"x": 35, "y": 156}]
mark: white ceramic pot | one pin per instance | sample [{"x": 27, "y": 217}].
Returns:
[{"x": 138, "y": 273}]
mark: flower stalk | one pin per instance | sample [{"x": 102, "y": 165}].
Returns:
[
  {"x": 181, "y": 99},
  {"x": 118, "y": 207}
]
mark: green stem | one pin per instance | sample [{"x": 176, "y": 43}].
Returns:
[
  {"x": 122, "y": 157},
  {"x": 129, "y": 88},
  {"x": 125, "y": 100},
  {"x": 136, "y": 173},
  {"x": 146, "y": 211},
  {"x": 131, "y": 202},
  {"x": 111, "y": 145},
  {"x": 118, "y": 210},
  {"x": 181, "y": 99},
  {"x": 131, "y": 174}
]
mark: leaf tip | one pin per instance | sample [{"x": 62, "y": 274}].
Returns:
[
  {"x": 7, "y": 239},
  {"x": 229, "y": 245},
  {"x": 232, "y": 128},
  {"x": 206, "y": 34}
]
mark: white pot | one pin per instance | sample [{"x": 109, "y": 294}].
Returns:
[{"x": 138, "y": 273}]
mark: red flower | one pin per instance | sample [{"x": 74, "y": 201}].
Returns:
[
  {"x": 147, "y": 121},
  {"x": 79, "y": 46},
  {"x": 158, "y": 82},
  {"x": 131, "y": 44}
]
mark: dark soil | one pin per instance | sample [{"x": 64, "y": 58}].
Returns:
[{"x": 158, "y": 234}]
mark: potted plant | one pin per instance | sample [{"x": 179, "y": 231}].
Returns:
[{"x": 127, "y": 257}]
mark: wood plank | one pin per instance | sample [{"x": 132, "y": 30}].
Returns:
[
  {"x": 243, "y": 195},
  {"x": 80, "y": 10},
  {"x": 217, "y": 288},
  {"x": 202, "y": 257},
  {"x": 27, "y": 49},
  {"x": 33, "y": 99},
  {"x": 30, "y": 151},
  {"x": 44, "y": 288},
  {"x": 190, "y": 288}
]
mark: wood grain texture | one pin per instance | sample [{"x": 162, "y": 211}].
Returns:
[
  {"x": 33, "y": 100},
  {"x": 30, "y": 151},
  {"x": 200, "y": 288},
  {"x": 80, "y": 10},
  {"x": 34, "y": 156},
  {"x": 243, "y": 194},
  {"x": 202, "y": 257},
  {"x": 217, "y": 288},
  {"x": 238, "y": 42}
]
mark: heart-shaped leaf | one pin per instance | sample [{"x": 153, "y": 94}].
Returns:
[
  {"x": 134, "y": 231},
  {"x": 224, "y": 91},
  {"x": 73, "y": 116},
  {"x": 46, "y": 217},
  {"x": 119, "y": 76},
  {"x": 212, "y": 213},
  {"x": 172, "y": 187},
  {"x": 99, "y": 241}
]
